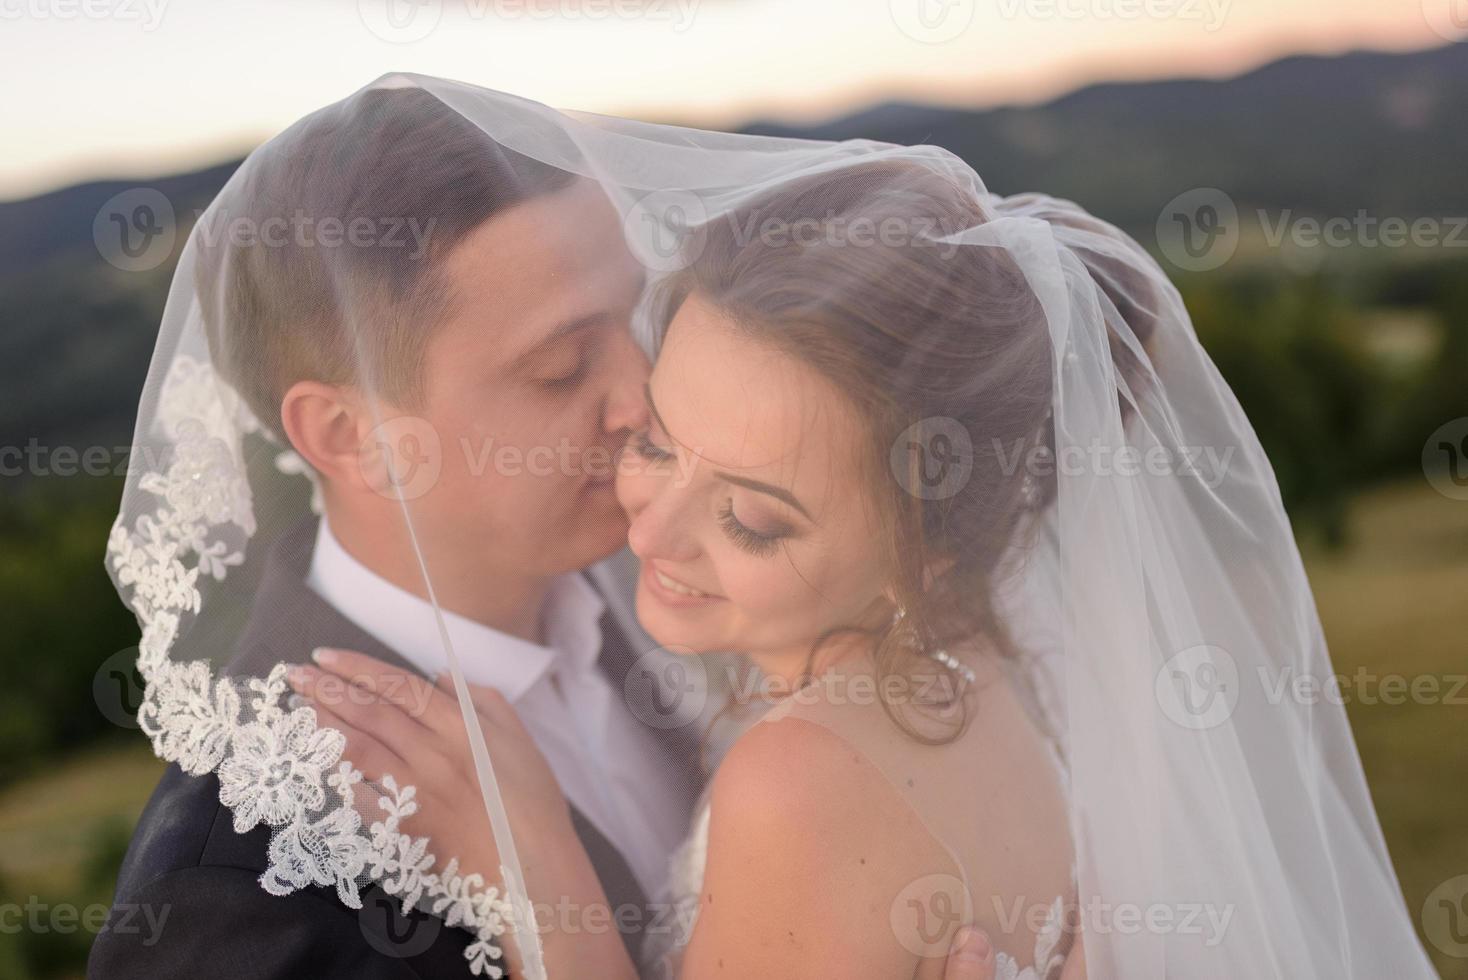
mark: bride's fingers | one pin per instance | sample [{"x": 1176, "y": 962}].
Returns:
[
  {"x": 492, "y": 705},
  {"x": 388, "y": 723},
  {"x": 368, "y": 754},
  {"x": 389, "y": 683}
]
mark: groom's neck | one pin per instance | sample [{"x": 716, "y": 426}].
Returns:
[{"x": 467, "y": 584}]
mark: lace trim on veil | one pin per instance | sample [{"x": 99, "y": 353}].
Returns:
[{"x": 275, "y": 766}]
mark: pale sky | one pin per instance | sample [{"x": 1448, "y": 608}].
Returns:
[{"x": 137, "y": 88}]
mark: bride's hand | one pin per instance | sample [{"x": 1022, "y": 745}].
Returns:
[{"x": 398, "y": 723}]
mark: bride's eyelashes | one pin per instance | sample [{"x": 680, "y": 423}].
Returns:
[
  {"x": 761, "y": 544},
  {"x": 643, "y": 446}
]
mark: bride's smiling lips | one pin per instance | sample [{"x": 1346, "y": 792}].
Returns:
[{"x": 672, "y": 591}]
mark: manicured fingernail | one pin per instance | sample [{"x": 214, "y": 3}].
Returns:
[
  {"x": 973, "y": 945},
  {"x": 295, "y": 675},
  {"x": 323, "y": 655}
]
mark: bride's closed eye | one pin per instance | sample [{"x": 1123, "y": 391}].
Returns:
[
  {"x": 642, "y": 445},
  {"x": 761, "y": 544}
]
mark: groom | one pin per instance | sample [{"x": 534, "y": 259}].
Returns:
[{"x": 506, "y": 340}]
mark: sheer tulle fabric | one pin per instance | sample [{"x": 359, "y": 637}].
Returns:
[{"x": 1132, "y": 588}]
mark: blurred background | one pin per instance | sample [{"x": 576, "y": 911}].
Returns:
[{"x": 1298, "y": 166}]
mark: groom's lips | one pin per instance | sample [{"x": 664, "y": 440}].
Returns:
[{"x": 671, "y": 591}]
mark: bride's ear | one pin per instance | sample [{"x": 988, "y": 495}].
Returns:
[{"x": 324, "y": 425}]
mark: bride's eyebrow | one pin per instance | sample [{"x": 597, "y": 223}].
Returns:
[
  {"x": 779, "y": 493},
  {"x": 758, "y": 486}
]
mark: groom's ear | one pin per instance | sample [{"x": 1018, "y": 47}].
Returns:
[{"x": 324, "y": 425}]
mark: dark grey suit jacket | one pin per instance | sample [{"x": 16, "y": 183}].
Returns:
[{"x": 186, "y": 861}]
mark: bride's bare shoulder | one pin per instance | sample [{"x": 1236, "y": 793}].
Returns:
[{"x": 807, "y": 840}]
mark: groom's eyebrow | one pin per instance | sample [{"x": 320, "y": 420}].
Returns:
[
  {"x": 758, "y": 486},
  {"x": 559, "y": 333}
]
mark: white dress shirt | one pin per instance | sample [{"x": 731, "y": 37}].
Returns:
[{"x": 604, "y": 759}]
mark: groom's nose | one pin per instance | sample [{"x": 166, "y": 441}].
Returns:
[{"x": 628, "y": 367}]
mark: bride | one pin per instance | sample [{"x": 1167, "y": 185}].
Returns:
[
  {"x": 785, "y": 375},
  {"x": 925, "y": 461}
]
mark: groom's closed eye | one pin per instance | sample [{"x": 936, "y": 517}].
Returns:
[
  {"x": 565, "y": 370},
  {"x": 565, "y": 353}
]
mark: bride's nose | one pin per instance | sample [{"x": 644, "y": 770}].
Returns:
[{"x": 662, "y": 528}]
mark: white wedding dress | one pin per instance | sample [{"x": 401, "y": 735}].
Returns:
[{"x": 679, "y": 900}]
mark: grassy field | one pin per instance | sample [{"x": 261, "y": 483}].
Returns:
[{"x": 1395, "y": 603}]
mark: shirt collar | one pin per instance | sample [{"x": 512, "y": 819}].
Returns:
[{"x": 489, "y": 657}]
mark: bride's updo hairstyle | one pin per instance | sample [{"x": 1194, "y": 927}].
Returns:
[{"x": 847, "y": 273}]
